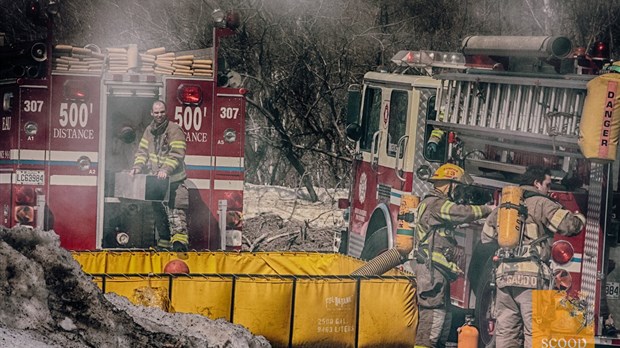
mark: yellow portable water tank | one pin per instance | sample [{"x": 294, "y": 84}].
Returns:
[
  {"x": 599, "y": 128},
  {"x": 509, "y": 218},
  {"x": 293, "y": 299}
]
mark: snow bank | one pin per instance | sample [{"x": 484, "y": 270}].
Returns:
[
  {"x": 293, "y": 204},
  {"x": 47, "y": 301}
]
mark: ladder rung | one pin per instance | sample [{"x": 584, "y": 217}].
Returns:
[{"x": 529, "y": 108}]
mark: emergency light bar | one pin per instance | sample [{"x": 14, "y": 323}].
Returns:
[{"x": 429, "y": 59}]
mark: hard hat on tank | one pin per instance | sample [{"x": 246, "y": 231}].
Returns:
[{"x": 451, "y": 172}]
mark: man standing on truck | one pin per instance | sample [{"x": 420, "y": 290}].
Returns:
[
  {"x": 436, "y": 259},
  {"x": 514, "y": 278},
  {"x": 162, "y": 152}
]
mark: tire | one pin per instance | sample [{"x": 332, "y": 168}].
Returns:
[
  {"x": 483, "y": 252},
  {"x": 485, "y": 305},
  {"x": 375, "y": 244}
]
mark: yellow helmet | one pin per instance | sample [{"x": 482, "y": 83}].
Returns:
[{"x": 451, "y": 172}]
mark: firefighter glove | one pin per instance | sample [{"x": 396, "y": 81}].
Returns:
[
  {"x": 431, "y": 149},
  {"x": 581, "y": 217}
]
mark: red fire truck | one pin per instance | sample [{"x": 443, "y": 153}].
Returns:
[
  {"x": 73, "y": 119},
  {"x": 503, "y": 104}
]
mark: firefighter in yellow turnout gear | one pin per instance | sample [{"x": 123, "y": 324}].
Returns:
[
  {"x": 162, "y": 153},
  {"x": 527, "y": 267},
  {"x": 436, "y": 263}
]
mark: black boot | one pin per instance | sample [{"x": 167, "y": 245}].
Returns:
[
  {"x": 179, "y": 247},
  {"x": 608, "y": 327}
]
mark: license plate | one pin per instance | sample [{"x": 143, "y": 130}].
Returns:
[
  {"x": 612, "y": 289},
  {"x": 29, "y": 177}
]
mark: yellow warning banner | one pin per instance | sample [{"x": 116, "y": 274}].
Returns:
[{"x": 599, "y": 127}]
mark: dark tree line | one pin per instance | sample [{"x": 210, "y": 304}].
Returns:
[{"x": 298, "y": 57}]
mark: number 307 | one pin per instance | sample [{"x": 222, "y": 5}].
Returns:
[
  {"x": 229, "y": 113},
  {"x": 33, "y": 105}
]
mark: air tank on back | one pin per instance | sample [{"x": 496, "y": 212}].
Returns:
[{"x": 510, "y": 218}]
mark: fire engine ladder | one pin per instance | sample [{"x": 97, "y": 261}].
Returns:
[{"x": 528, "y": 114}]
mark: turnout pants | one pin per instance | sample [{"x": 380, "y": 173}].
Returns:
[
  {"x": 171, "y": 216},
  {"x": 433, "y": 308},
  {"x": 513, "y": 327}
]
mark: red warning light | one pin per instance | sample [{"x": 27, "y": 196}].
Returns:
[
  {"x": 409, "y": 57},
  {"x": 75, "y": 90},
  {"x": 189, "y": 94}
]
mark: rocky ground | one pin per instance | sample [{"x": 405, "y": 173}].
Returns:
[
  {"x": 270, "y": 232},
  {"x": 279, "y": 218}
]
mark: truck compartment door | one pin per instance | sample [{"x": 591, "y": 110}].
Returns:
[
  {"x": 126, "y": 119},
  {"x": 74, "y": 159}
]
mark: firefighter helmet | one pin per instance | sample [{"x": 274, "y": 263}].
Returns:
[
  {"x": 451, "y": 172},
  {"x": 176, "y": 266}
]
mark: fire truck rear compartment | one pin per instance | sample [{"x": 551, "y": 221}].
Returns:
[{"x": 127, "y": 117}]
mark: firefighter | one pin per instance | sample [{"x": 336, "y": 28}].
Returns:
[
  {"x": 436, "y": 257},
  {"x": 162, "y": 153},
  {"x": 516, "y": 279}
]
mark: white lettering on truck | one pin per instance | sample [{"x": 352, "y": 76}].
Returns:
[
  {"x": 229, "y": 113},
  {"x": 33, "y": 105},
  {"x": 71, "y": 133},
  {"x": 190, "y": 119},
  {"x": 71, "y": 116},
  {"x": 6, "y": 123}
]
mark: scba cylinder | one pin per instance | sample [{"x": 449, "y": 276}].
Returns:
[
  {"x": 509, "y": 218},
  {"x": 406, "y": 221}
]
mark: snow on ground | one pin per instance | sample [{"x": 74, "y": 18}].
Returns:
[
  {"x": 283, "y": 219},
  {"x": 293, "y": 204}
]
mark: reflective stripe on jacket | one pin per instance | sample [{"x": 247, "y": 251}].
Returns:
[
  {"x": 163, "y": 152},
  {"x": 437, "y": 218},
  {"x": 545, "y": 217}
]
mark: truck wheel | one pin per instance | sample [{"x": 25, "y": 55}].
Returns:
[
  {"x": 375, "y": 244},
  {"x": 483, "y": 252},
  {"x": 485, "y": 307}
]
